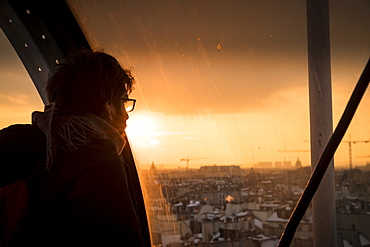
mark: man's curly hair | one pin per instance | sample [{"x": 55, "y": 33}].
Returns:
[{"x": 85, "y": 81}]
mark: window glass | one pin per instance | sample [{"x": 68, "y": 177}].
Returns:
[
  {"x": 18, "y": 95},
  {"x": 225, "y": 82},
  {"x": 221, "y": 129},
  {"x": 350, "y": 51},
  {"x": 220, "y": 132}
]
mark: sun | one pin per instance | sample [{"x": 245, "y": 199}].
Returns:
[{"x": 141, "y": 126}]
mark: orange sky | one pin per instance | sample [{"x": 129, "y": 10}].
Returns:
[{"x": 236, "y": 105}]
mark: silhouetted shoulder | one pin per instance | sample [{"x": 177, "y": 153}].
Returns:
[
  {"x": 22, "y": 147},
  {"x": 88, "y": 188}
]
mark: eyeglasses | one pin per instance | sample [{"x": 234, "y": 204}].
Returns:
[{"x": 128, "y": 104}]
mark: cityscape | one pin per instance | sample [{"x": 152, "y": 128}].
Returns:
[
  {"x": 225, "y": 82},
  {"x": 223, "y": 206}
]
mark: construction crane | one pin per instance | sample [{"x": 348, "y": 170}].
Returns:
[
  {"x": 350, "y": 148},
  {"x": 292, "y": 151},
  {"x": 187, "y": 160}
]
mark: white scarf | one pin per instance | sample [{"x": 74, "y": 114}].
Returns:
[{"x": 70, "y": 133}]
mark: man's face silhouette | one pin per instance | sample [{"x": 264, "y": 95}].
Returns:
[{"x": 117, "y": 113}]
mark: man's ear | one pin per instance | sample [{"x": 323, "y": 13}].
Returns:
[{"x": 109, "y": 110}]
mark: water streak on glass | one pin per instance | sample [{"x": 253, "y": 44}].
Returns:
[{"x": 220, "y": 131}]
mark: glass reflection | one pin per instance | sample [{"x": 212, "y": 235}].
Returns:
[
  {"x": 221, "y": 134},
  {"x": 221, "y": 139}
]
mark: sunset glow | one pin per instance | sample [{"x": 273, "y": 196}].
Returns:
[
  {"x": 235, "y": 105},
  {"x": 232, "y": 106},
  {"x": 141, "y": 126}
]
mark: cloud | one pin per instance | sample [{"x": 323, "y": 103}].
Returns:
[{"x": 18, "y": 99}]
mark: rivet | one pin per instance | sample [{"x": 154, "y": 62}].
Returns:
[
  {"x": 57, "y": 61},
  {"x": 43, "y": 36},
  {"x": 10, "y": 20},
  {"x": 40, "y": 69},
  {"x": 25, "y": 45},
  {"x": 28, "y": 11}
]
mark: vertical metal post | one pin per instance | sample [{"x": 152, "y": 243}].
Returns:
[{"x": 321, "y": 125}]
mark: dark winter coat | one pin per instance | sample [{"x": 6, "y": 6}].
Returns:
[{"x": 84, "y": 199}]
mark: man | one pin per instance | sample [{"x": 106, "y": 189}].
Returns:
[{"x": 82, "y": 197}]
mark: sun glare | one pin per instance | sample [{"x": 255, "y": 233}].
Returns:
[{"x": 139, "y": 126}]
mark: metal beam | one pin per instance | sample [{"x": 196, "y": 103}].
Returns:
[
  {"x": 41, "y": 32},
  {"x": 321, "y": 123}
]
